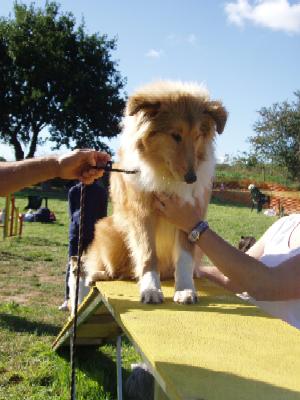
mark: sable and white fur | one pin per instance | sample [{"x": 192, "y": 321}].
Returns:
[{"x": 168, "y": 136}]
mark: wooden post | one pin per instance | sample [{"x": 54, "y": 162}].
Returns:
[
  {"x": 16, "y": 221},
  {"x": 20, "y": 224},
  {"x": 12, "y": 214},
  {"x": 6, "y": 219}
]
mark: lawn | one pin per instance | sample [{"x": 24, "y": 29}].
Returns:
[{"x": 31, "y": 289}]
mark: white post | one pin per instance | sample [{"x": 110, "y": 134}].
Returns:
[{"x": 119, "y": 368}]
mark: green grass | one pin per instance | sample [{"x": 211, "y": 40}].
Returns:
[
  {"x": 31, "y": 288},
  {"x": 227, "y": 174}
]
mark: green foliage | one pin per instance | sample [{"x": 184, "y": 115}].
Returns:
[
  {"x": 53, "y": 74},
  {"x": 246, "y": 166},
  {"x": 277, "y": 138}
]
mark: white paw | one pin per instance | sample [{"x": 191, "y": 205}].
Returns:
[
  {"x": 186, "y": 296},
  {"x": 150, "y": 288},
  {"x": 152, "y": 296}
]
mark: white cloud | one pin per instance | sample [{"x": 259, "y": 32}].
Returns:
[
  {"x": 177, "y": 39},
  {"x": 278, "y": 15},
  {"x": 152, "y": 53}
]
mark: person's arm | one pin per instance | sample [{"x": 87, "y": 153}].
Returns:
[
  {"x": 260, "y": 281},
  {"x": 74, "y": 165},
  {"x": 251, "y": 275},
  {"x": 213, "y": 274}
]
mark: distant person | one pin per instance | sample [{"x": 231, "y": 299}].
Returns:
[
  {"x": 258, "y": 198},
  {"x": 95, "y": 207}
]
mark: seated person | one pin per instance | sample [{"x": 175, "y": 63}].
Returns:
[{"x": 258, "y": 198}]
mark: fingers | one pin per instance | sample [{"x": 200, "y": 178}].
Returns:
[
  {"x": 95, "y": 158},
  {"x": 90, "y": 175},
  {"x": 165, "y": 203},
  {"x": 166, "y": 198},
  {"x": 160, "y": 206},
  {"x": 101, "y": 158}
]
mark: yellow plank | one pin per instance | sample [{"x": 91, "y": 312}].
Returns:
[
  {"x": 221, "y": 348},
  {"x": 90, "y": 306}
]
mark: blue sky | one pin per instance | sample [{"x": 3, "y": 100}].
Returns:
[{"x": 246, "y": 52}]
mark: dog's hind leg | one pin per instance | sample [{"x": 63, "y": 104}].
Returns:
[
  {"x": 107, "y": 257},
  {"x": 185, "y": 292}
]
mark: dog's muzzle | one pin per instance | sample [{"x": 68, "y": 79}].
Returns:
[{"x": 190, "y": 177}]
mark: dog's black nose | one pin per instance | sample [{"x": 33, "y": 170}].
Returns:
[{"x": 190, "y": 177}]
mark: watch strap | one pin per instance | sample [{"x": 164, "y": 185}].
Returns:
[{"x": 197, "y": 231}]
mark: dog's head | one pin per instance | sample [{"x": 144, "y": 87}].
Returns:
[{"x": 176, "y": 124}]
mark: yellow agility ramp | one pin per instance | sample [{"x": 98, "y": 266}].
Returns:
[{"x": 222, "y": 348}]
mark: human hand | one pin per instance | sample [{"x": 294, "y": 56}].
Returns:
[
  {"x": 80, "y": 164},
  {"x": 180, "y": 213}
]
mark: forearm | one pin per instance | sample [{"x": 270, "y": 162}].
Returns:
[
  {"x": 17, "y": 175},
  {"x": 246, "y": 272},
  {"x": 215, "y": 275}
]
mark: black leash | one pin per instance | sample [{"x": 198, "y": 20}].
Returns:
[
  {"x": 74, "y": 330},
  {"x": 109, "y": 168}
]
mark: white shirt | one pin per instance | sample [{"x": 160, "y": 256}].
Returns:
[{"x": 276, "y": 251}]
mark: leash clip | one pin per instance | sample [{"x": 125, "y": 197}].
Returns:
[{"x": 109, "y": 168}]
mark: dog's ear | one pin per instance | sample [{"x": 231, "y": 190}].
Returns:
[
  {"x": 136, "y": 104},
  {"x": 219, "y": 114}
]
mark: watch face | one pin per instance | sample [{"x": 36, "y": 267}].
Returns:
[{"x": 194, "y": 235}]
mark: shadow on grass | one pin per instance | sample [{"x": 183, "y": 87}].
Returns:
[
  {"x": 15, "y": 323},
  {"x": 96, "y": 365}
]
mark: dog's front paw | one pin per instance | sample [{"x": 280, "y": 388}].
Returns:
[
  {"x": 152, "y": 296},
  {"x": 186, "y": 296},
  {"x": 150, "y": 288}
]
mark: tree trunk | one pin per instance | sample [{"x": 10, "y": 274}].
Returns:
[
  {"x": 33, "y": 143},
  {"x": 19, "y": 153}
]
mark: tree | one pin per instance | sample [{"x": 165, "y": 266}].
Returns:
[
  {"x": 277, "y": 138},
  {"x": 56, "y": 76}
]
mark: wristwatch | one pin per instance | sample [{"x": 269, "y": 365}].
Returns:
[{"x": 197, "y": 231}]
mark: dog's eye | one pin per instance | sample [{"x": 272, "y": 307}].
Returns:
[{"x": 176, "y": 137}]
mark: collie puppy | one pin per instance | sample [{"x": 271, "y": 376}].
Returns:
[{"x": 168, "y": 138}]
